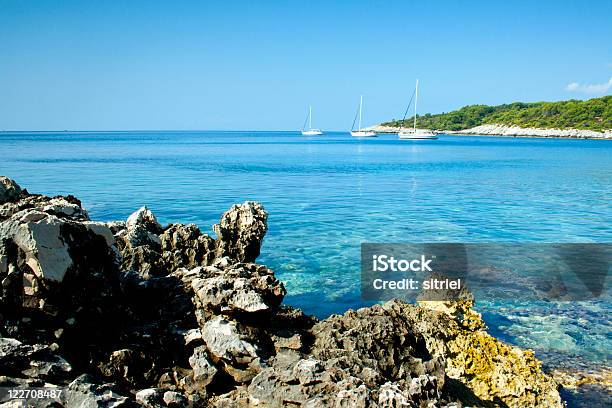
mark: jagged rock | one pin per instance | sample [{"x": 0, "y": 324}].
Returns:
[
  {"x": 142, "y": 259},
  {"x": 36, "y": 361},
  {"x": 150, "y": 398},
  {"x": 143, "y": 217},
  {"x": 175, "y": 399},
  {"x": 64, "y": 208},
  {"x": 9, "y": 190},
  {"x": 140, "y": 243},
  {"x": 378, "y": 338},
  {"x": 203, "y": 369},
  {"x": 236, "y": 289},
  {"x": 84, "y": 393},
  {"x": 50, "y": 244},
  {"x": 184, "y": 246},
  {"x": 493, "y": 370},
  {"x": 142, "y": 228},
  {"x": 127, "y": 366},
  {"x": 235, "y": 346},
  {"x": 173, "y": 317},
  {"x": 458, "y": 304},
  {"x": 241, "y": 231}
]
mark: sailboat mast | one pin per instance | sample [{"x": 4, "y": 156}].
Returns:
[
  {"x": 360, "y": 106},
  {"x": 416, "y": 99},
  {"x": 310, "y": 118}
]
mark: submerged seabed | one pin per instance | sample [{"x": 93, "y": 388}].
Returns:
[{"x": 327, "y": 194}]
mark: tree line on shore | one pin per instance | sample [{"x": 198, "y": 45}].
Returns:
[{"x": 593, "y": 114}]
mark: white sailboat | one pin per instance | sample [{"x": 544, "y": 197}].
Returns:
[
  {"x": 310, "y": 131},
  {"x": 360, "y": 132},
  {"x": 414, "y": 133}
]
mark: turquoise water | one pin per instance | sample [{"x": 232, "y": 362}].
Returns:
[{"x": 327, "y": 194}]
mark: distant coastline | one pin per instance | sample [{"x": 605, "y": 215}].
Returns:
[
  {"x": 575, "y": 119},
  {"x": 514, "y": 131}
]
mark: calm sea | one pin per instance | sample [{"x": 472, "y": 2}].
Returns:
[{"x": 327, "y": 194}]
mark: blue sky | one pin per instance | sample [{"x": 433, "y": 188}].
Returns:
[{"x": 258, "y": 65}]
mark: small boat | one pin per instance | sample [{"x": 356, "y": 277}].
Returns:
[
  {"x": 360, "y": 132},
  {"x": 310, "y": 131},
  {"x": 414, "y": 133}
]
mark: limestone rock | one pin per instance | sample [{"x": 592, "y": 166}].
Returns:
[
  {"x": 185, "y": 246},
  {"x": 377, "y": 338},
  {"x": 143, "y": 217},
  {"x": 235, "y": 346},
  {"x": 493, "y": 370},
  {"x": 84, "y": 393},
  {"x": 150, "y": 398},
  {"x": 172, "y": 317},
  {"x": 49, "y": 242},
  {"x": 9, "y": 190},
  {"x": 241, "y": 231},
  {"x": 140, "y": 244},
  {"x": 239, "y": 288},
  {"x": 204, "y": 370},
  {"x": 65, "y": 208},
  {"x": 174, "y": 399}
]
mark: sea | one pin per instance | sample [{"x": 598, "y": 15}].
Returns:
[{"x": 328, "y": 194}]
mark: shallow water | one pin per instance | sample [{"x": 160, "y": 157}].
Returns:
[{"x": 327, "y": 194}]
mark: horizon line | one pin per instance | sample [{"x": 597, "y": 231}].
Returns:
[{"x": 160, "y": 130}]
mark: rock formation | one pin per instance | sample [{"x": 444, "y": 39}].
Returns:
[
  {"x": 513, "y": 131},
  {"x": 137, "y": 314}
]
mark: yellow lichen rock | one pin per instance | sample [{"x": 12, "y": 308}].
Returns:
[{"x": 496, "y": 372}]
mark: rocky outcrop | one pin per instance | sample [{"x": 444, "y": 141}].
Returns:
[
  {"x": 241, "y": 231},
  {"x": 134, "y": 313},
  {"x": 513, "y": 131},
  {"x": 516, "y": 131},
  {"x": 9, "y": 190}
]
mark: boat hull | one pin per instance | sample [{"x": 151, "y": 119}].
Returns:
[
  {"x": 311, "y": 132},
  {"x": 363, "y": 133},
  {"x": 417, "y": 136}
]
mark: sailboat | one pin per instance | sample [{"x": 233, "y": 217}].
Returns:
[
  {"x": 360, "y": 132},
  {"x": 414, "y": 134},
  {"x": 310, "y": 131}
]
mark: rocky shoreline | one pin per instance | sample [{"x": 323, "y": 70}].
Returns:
[
  {"x": 514, "y": 131},
  {"x": 133, "y": 313}
]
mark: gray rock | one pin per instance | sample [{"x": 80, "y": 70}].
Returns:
[
  {"x": 175, "y": 399},
  {"x": 201, "y": 320},
  {"x": 308, "y": 371},
  {"x": 380, "y": 339},
  {"x": 204, "y": 370},
  {"x": 150, "y": 398},
  {"x": 241, "y": 231},
  {"x": 142, "y": 228},
  {"x": 185, "y": 246},
  {"x": 9, "y": 190},
  {"x": 225, "y": 341},
  {"x": 140, "y": 244},
  {"x": 84, "y": 393},
  {"x": 61, "y": 207},
  {"x": 240, "y": 288},
  {"x": 143, "y": 217},
  {"x": 235, "y": 346},
  {"x": 47, "y": 241}
]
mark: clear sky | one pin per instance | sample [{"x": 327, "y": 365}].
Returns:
[{"x": 111, "y": 65}]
